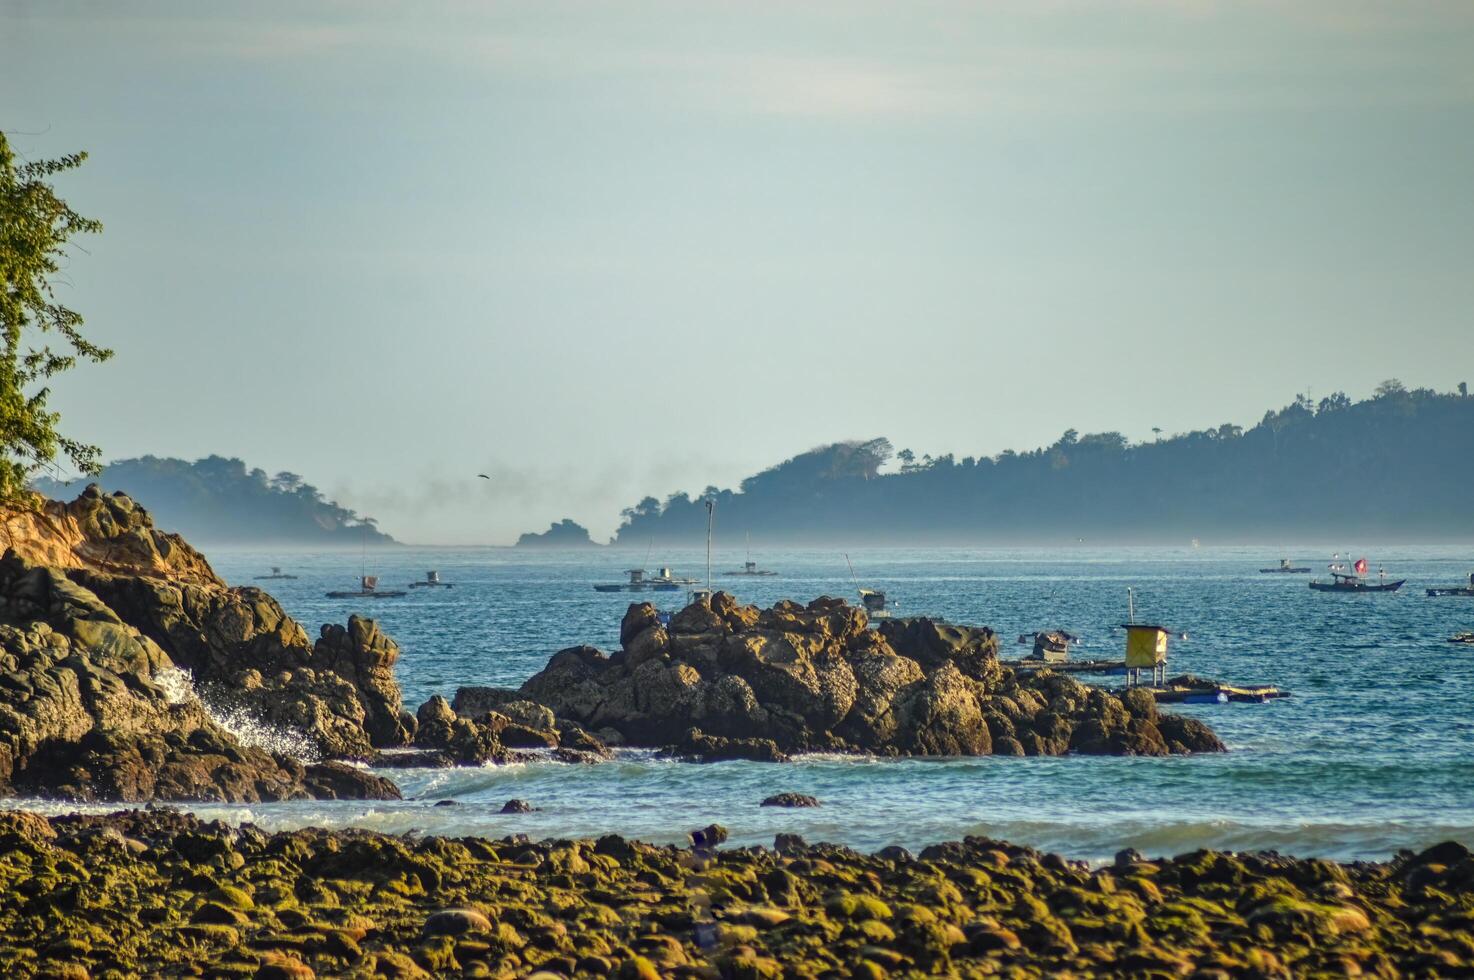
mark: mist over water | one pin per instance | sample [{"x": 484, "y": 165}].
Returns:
[{"x": 1374, "y": 752}]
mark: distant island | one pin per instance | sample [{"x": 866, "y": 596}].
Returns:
[
  {"x": 1396, "y": 466},
  {"x": 561, "y": 534},
  {"x": 219, "y": 501}
]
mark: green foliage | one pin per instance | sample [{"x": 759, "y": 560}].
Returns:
[
  {"x": 1397, "y": 465},
  {"x": 35, "y": 229},
  {"x": 219, "y": 500}
]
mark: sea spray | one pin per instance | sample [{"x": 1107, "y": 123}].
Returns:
[{"x": 178, "y": 686}]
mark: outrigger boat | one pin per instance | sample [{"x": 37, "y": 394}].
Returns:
[
  {"x": 1355, "y": 580},
  {"x": 662, "y": 582},
  {"x": 1456, "y": 590},
  {"x": 1285, "y": 568},
  {"x": 368, "y": 589},
  {"x": 432, "y": 581},
  {"x": 276, "y": 573}
]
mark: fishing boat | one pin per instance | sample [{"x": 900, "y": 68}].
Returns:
[
  {"x": 276, "y": 573},
  {"x": 368, "y": 585},
  {"x": 432, "y": 581},
  {"x": 1466, "y": 638},
  {"x": 368, "y": 589},
  {"x": 1464, "y": 590},
  {"x": 873, "y": 600},
  {"x": 662, "y": 581},
  {"x": 1285, "y": 568},
  {"x": 749, "y": 567},
  {"x": 1354, "y": 580},
  {"x": 1052, "y": 646}
]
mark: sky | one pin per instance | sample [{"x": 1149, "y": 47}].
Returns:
[{"x": 605, "y": 250}]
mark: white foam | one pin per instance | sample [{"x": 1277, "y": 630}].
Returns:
[{"x": 178, "y": 687}]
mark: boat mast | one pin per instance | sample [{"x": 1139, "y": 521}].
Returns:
[{"x": 711, "y": 505}]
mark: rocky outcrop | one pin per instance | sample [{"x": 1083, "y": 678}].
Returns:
[
  {"x": 91, "y": 708},
  {"x": 729, "y": 678},
  {"x": 243, "y": 652},
  {"x": 102, "y": 532},
  {"x": 159, "y": 893}
]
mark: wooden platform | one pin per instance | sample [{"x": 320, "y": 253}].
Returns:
[
  {"x": 1068, "y": 666},
  {"x": 1251, "y": 694}
]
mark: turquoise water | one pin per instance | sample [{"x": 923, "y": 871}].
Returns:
[{"x": 1375, "y": 751}]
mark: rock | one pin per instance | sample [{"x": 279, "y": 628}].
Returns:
[
  {"x": 763, "y": 684},
  {"x": 708, "y": 836},
  {"x": 517, "y": 806},
  {"x": 456, "y": 922},
  {"x": 699, "y": 747},
  {"x": 972, "y": 649},
  {"x": 338, "y": 781},
  {"x": 242, "y": 902},
  {"x": 473, "y": 702},
  {"x": 790, "y": 800},
  {"x": 790, "y": 844},
  {"x": 1129, "y": 857}
]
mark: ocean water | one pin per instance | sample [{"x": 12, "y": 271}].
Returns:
[{"x": 1374, "y": 751}]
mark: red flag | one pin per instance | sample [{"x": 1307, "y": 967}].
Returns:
[{"x": 1361, "y": 566}]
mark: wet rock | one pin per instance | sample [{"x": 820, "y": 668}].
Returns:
[
  {"x": 700, "y": 747},
  {"x": 708, "y": 836},
  {"x": 790, "y": 800},
  {"x": 517, "y": 806}
]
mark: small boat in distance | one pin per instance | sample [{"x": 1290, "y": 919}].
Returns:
[
  {"x": 276, "y": 573},
  {"x": 873, "y": 600},
  {"x": 749, "y": 567},
  {"x": 368, "y": 589},
  {"x": 432, "y": 581},
  {"x": 1354, "y": 580},
  {"x": 664, "y": 581},
  {"x": 1463, "y": 590},
  {"x": 1285, "y": 568}
]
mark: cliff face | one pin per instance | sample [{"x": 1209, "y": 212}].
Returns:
[
  {"x": 114, "y": 639},
  {"x": 109, "y": 534}
]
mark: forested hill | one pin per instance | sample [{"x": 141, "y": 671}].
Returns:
[
  {"x": 1396, "y": 467},
  {"x": 218, "y": 501}
]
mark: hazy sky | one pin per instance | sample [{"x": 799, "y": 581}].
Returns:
[{"x": 601, "y": 250}]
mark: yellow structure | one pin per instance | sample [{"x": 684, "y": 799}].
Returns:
[{"x": 1146, "y": 646}]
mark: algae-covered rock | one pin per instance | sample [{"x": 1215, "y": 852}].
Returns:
[{"x": 240, "y": 902}]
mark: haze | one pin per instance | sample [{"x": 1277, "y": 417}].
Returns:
[{"x": 600, "y": 251}]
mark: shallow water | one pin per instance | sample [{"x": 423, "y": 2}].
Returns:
[{"x": 1374, "y": 752}]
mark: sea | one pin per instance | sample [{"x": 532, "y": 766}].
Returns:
[{"x": 1372, "y": 753}]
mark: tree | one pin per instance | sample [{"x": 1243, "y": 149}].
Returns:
[
  {"x": 1156, "y": 431},
  {"x": 907, "y": 458},
  {"x": 1390, "y": 388},
  {"x": 1463, "y": 389},
  {"x": 35, "y": 228}
]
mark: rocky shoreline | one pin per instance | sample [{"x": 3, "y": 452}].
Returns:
[
  {"x": 161, "y": 893},
  {"x": 129, "y": 671}
]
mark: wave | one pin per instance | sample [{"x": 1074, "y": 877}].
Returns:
[{"x": 178, "y": 686}]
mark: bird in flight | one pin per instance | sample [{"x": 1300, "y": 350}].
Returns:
[{"x": 483, "y": 476}]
